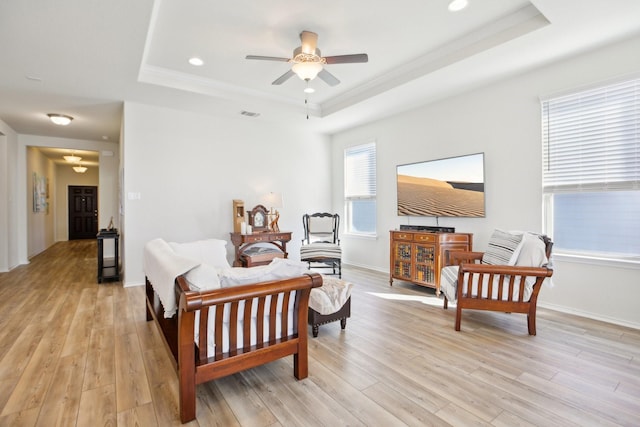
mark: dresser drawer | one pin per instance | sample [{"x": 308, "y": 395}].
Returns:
[
  {"x": 399, "y": 235},
  {"x": 431, "y": 238}
]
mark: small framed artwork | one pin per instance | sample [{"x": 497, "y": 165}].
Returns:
[{"x": 258, "y": 218}]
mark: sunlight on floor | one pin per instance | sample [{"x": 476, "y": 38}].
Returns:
[{"x": 429, "y": 300}]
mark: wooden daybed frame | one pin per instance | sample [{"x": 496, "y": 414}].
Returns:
[{"x": 193, "y": 365}]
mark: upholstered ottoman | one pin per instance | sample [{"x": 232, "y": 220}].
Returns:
[{"x": 329, "y": 303}]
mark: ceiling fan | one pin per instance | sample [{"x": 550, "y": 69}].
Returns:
[{"x": 308, "y": 62}]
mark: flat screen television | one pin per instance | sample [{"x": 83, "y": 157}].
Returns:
[{"x": 451, "y": 187}]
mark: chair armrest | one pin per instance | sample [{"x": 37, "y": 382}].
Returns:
[{"x": 458, "y": 257}]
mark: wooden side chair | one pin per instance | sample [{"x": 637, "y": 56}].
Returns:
[
  {"x": 507, "y": 277},
  {"x": 321, "y": 245}
]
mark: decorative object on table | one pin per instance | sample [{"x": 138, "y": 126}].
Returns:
[
  {"x": 274, "y": 202},
  {"x": 110, "y": 226},
  {"x": 238, "y": 215},
  {"x": 258, "y": 219}
]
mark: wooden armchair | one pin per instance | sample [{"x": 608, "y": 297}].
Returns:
[{"x": 506, "y": 288}]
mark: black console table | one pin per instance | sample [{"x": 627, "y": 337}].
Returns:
[{"x": 108, "y": 269}]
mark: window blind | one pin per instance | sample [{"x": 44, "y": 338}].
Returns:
[
  {"x": 360, "y": 171},
  {"x": 591, "y": 140}
]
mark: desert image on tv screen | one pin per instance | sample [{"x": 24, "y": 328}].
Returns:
[{"x": 444, "y": 187}]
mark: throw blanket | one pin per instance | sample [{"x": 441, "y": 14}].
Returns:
[
  {"x": 162, "y": 265},
  {"x": 331, "y": 296}
]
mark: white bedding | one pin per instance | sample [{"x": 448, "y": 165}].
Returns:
[
  {"x": 162, "y": 265},
  {"x": 240, "y": 323}
]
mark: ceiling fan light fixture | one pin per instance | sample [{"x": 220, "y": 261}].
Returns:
[
  {"x": 457, "y": 5},
  {"x": 307, "y": 70},
  {"x": 60, "y": 119}
]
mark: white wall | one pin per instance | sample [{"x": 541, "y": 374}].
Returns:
[
  {"x": 503, "y": 121},
  {"x": 187, "y": 168},
  {"x": 9, "y": 204},
  {"x": 41, "y": 224}
]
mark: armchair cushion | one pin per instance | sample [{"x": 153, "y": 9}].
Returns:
[
  {"x": 449, "y": 285},
  {"x": 320, "y": 250},
  {"x": 503, "y": 249}
]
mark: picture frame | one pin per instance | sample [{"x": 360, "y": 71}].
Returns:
[{"x": 259, "y": 218}]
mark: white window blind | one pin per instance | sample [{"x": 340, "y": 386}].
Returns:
[
  {"x": 591, "y": 139},
  {"x": 360, "y": 171},
  {"x": 360, "y": 189},
  {"x": 591, "y": 171}
]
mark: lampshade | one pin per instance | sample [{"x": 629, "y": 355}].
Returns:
[
  {"x": 80, "y": 169},
  {"x": 60, "y": 119},
  {"x": 72, "y": 158},
  {"x": 272, "y": 200},
  {"x": 307, "y": 70}
]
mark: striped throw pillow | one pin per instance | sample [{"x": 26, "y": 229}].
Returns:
[{"x": 503, "y": 248}]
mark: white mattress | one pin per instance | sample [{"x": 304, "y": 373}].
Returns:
[{"x": 240, "y": 323}]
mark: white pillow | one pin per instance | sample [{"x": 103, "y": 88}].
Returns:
[
  {"x": 279, "y": 268},
  {"x": 532, "y": 252},
  {"x": 503, "y": 249},
  {"x": 203, "y": 278},
  {"x": 208, "y": 251}
]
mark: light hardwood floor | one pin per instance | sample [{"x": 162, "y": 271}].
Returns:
[{"x": 77, "y": 353}]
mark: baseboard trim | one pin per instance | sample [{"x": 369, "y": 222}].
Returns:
[{"x": 589, "y": 315}]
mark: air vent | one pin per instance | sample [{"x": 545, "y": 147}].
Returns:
[{"x": 249, "y": 113}]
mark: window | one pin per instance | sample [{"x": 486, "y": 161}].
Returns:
[
  {"x": 360, "y": 189},
  {"x": 591, "y": 171}
]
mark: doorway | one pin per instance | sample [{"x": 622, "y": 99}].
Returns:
[{"x": 83, "y": 212}]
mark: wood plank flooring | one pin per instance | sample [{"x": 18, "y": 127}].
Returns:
[{"x": 74, "y": 352}]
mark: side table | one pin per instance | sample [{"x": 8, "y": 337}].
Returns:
[
  {"x": 108, "y": 269},
  {"x": 242, "y": 242}
]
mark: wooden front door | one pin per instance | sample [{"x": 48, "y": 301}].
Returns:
[{"x": 83, "y": 212}]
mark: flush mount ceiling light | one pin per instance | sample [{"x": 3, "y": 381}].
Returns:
[
  {"x": 72, "y": 158},
  {"x": 457, "y": 5},
  {"x": 80, "y": 168},
  {"x": 60, "y": 119}
]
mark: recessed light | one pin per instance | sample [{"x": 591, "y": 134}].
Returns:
[
  {"x": 196, "y": 62},
  {"x": 457, "y": 5},
  {"x": 309, "y": 90}
]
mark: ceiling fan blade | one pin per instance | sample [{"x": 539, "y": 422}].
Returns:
[
  {"x": 267, "y": 58},
  {"x": 283, "y": 78},
  {"x": 328, "y": 78},
  {"x": 309, "y": 42},
  {"x": 347, "y": 59}
]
